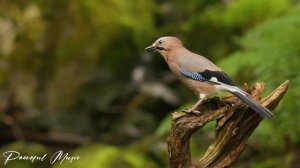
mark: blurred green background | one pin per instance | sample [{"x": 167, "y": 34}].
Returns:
[{"x": 74, "y": 77}]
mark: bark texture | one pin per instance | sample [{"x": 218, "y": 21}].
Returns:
[{"x": 235, "y": 124}]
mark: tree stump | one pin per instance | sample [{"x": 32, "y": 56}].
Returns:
[{"x": 235, "y": 124}]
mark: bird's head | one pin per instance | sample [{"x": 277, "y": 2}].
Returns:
[{"x": 164, "y": 45}]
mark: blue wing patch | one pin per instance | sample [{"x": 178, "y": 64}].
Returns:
[
  {"x": 192, "y": 75},
  {"x": 196, "y": 76}
]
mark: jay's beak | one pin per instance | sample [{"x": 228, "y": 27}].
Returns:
[{"x": 150, "y": 49}]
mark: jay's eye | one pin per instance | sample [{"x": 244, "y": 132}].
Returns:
[{"x": 160, "y": 42}]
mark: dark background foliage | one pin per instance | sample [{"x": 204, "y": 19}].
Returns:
[{"x": 74, "y": 76}]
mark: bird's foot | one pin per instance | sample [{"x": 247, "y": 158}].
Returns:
[{"x": 191, "y": 111}]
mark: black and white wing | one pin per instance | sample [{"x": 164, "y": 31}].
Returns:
[{"x": 215, "y": 77}]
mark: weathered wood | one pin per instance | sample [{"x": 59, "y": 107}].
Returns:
[{"x": 235, "y": 123}]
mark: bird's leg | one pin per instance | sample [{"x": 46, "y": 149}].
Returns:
[
  {"x": 200, "y": 101},
  {"x": 193, "y": 109}
]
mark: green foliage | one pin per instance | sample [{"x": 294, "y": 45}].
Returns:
[
  {"x": 96, "y": 156},
  {"x": 226, "y": 22},
  {"x": 271, "y": 53},
  {"x": 165, "y": 125},
  {"x": 24, "y": 149},
  {"x": 66, "y": 66},
  {"x": 50, "y": 51},
  {"x": 241, "y": 13},
  {"x": 276, "y": 162}
]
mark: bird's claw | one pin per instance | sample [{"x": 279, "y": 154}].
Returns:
[{"x": 191, "y": 111}]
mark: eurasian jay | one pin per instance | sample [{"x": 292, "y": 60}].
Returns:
[{"x": 200, "y": 74}]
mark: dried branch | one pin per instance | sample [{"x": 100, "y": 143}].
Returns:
[{"x": 235, "y": 123}]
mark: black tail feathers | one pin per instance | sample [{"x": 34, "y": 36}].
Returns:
[{"x": 247, "y": 99}]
